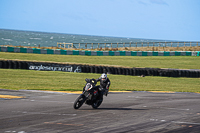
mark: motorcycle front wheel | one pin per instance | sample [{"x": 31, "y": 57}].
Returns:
[{"x": 79, "y": 102}]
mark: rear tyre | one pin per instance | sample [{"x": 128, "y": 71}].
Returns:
[
  {"x": 97, "y": 103},
  {"x": 79, "y": 102}
]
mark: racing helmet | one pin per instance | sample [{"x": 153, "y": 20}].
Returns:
[{"x": 104, "y": 76}]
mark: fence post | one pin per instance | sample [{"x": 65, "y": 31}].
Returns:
[
  {"x": 86, "y": 46},
  {"x": 117, "y": 45},
  {"x": 92, "y": 45},
  {"x": 105, "y": 45},
  {"x": 111, "y": 45},
  {"x": 136, "y": 44},
  {"x": 72, "y": 45},
  {"x": 79, "y": 45},
  {"x": 130, "y": 44},
  {"x": 178, "y": 44}
]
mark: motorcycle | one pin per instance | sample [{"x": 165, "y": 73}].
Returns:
[{"x": 90, "y": 96}]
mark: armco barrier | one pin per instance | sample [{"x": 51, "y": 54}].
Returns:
[
  {"x": 99, "y": 53},
  {"x": 48, "y": 66}
]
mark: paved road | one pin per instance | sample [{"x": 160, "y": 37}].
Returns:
[{"x": 138, "y": 112}]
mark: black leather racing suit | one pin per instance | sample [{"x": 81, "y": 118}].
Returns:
[{"x": 104, "y": 86}]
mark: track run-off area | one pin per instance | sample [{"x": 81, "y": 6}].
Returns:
[{"x": 33, "y": 111}]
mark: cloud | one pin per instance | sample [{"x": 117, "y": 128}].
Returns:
[
  {"x": 160, "y": 2},
  {"x": 149, "y": 2},
  {"x": 141, "y": 2}
]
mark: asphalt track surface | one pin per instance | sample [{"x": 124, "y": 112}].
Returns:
[{"x": 135, "y": 112}]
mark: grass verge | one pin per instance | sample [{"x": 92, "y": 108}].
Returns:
[
  {"x": 66, "y": 81},
  {"x": 178, "y": 62}
]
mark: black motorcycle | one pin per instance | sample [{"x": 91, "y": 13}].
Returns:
[{"x": 90, "y": 96}]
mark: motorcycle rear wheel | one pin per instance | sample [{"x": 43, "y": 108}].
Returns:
[
  {"x": 97, "y": 103},
  {"x": 79, "y": 102}
]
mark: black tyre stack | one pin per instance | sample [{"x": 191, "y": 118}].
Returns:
[{"x": 193, "y": 73}]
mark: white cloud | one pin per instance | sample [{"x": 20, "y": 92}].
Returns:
[{"x": 160, "y": 2}]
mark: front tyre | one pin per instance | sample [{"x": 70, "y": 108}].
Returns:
[
  {"x": 97, "y": 103},
  {"x": 79, "y": 102}
]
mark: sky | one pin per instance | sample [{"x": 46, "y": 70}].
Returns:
[{"x": 148, "y": 19}]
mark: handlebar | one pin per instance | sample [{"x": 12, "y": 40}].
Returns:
[{"x": 92, "y": 81}]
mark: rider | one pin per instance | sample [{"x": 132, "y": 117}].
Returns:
[{"x": 104, "y": 84}]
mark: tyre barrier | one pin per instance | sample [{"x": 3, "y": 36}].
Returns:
[{"x": 11, "y": 64}]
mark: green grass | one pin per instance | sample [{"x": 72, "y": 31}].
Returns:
[
  {"x": 51, "y": 80},
  {"x": 179, "y": 62},
  {"x": 61, "y": 81}
]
